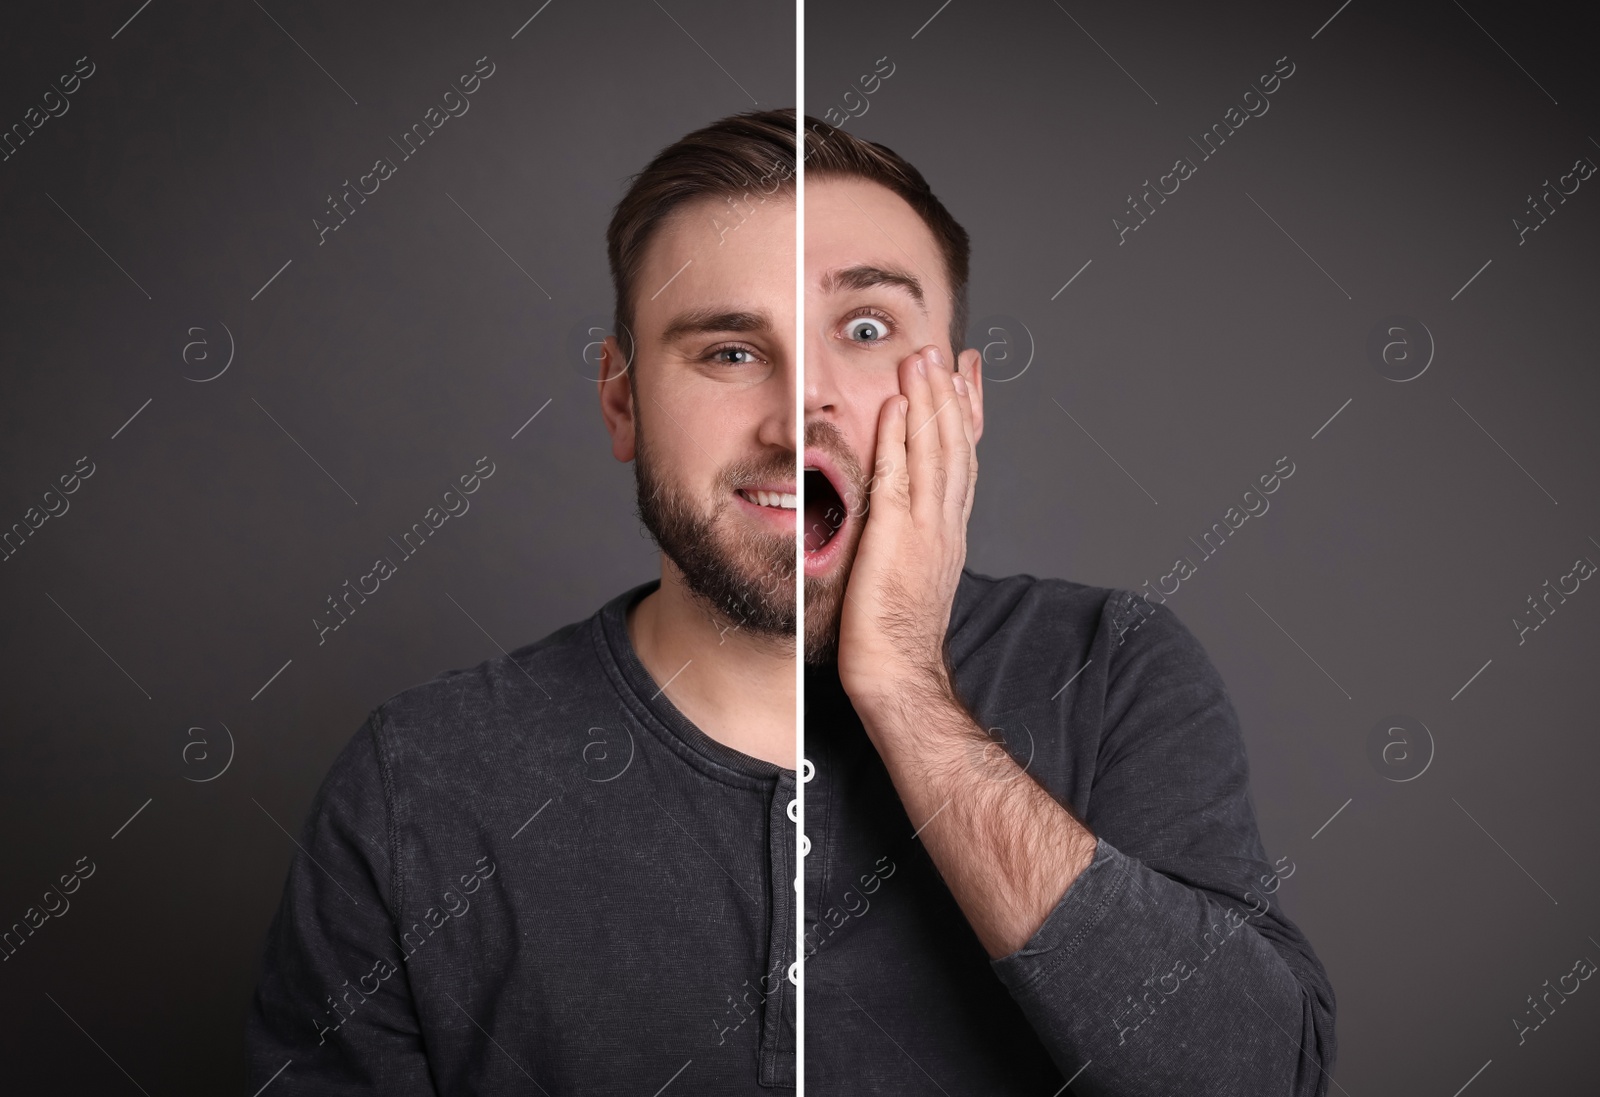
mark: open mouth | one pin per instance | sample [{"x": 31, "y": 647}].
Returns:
[{"x": 824, "y": 510}]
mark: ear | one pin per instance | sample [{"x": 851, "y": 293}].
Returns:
[
  {"x": 969, "y": 363},
  {"x": 616, "y": 399}
]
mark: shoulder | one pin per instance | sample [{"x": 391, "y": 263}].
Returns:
[
  {"x": 1021, "y": 624},
  {"x": 472, "y": 714},
  {"x": 1040, "y": 608}
]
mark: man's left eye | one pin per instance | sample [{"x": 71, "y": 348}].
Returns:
[{"x": 866, "y": 329}]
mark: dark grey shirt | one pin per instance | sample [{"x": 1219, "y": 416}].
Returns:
[
  {"x": 536, "y": 876},
  {"x": 1167, "y": 968}
]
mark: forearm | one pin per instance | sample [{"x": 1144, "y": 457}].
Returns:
[
  {"x": 1133, "y": 964},
  {"x": 1101, "y": 959},
  {"x": 1006, "y": 849}
]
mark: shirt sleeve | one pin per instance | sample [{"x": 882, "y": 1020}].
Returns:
[
  {"x": 1168, "y": 966},
  {"x": 333, "y": 1011}
]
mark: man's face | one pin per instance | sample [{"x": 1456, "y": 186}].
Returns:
[
  {"x": 876, "y": 291},
  {"x": 706, "y": 410}
]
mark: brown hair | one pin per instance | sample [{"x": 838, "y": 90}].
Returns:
[
  {"x": 751, "y": 156},
  {"x": 748, "y": 157},
  {"x": 832, "y": 153}
]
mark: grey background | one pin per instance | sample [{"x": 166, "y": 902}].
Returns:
[
  {"x": 1209, "y": 344},
  {"x": 189, "y": 567}
]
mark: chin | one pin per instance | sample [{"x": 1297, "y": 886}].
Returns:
[{"x": 824, "y": 600}]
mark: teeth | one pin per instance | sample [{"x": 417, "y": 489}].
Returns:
[{"x": 771, "y": 499}]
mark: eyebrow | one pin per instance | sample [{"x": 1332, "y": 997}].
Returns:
[
  {"x": 867, "y": 277},
  {"x": 706, "y": 321}
]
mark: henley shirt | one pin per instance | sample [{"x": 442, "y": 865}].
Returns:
[
  {"x": 1168, "y": 968},
  {"x": 536, "y": 876}
]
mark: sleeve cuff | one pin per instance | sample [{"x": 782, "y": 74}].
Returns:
[{"x": 1085, "y": 904}]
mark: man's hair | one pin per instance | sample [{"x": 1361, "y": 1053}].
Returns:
[
  {"x": 745, "y": 157},
  {"x": 831, "y": 153},
  {"x": 750, "y": 157}
]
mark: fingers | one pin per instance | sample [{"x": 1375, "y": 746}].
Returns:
[
  {"x": 922, "y": 432},
  {"x": 939, "y": 437},
  {"x": 954, "y": 414},
  {"x": 970, "y": 446},
  {"x": 892, "y": 418}
]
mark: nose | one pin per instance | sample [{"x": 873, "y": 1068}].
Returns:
[
  {"x": 820, "y": 384},
  {"x": 777, "y": 426}
]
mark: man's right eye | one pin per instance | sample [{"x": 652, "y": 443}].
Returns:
[{"x": 717, "y": 355}]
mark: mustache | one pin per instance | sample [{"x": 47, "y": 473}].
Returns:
[
  {"x": 856, "y": 490},
  {"x": 823, "y": 435},
  {"x": 747, "y": 471}
]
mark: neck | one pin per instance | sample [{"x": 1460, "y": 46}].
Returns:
[{"x": 734, "y": 684}]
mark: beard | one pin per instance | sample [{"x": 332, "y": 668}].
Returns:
[
  {"x": 744, "y": 578},
  {"x": 825, "y": 594}
]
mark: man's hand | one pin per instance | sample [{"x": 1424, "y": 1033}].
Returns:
[
  {"x": 892, "y": 664},
  {"x": 914, "y": 545}
]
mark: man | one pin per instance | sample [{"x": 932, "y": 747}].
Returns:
[
  {"x": 1033, "y": 859},
  {"x": 571, "y": 869}
]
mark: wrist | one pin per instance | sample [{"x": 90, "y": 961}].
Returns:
[{"x": 905, "y": 699}]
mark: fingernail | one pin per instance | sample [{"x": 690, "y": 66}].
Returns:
[
  {"x": 961, "y": 384},
  {"x": 936, "y": 356},
  {"x": 921, "y": 369}
]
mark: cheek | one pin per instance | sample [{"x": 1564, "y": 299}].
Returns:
[{"x": 865, "y": 400}]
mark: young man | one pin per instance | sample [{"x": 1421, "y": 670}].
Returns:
[
  {"x": 1033, "y": 858},
  {"x": 571, "y": 869}
]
